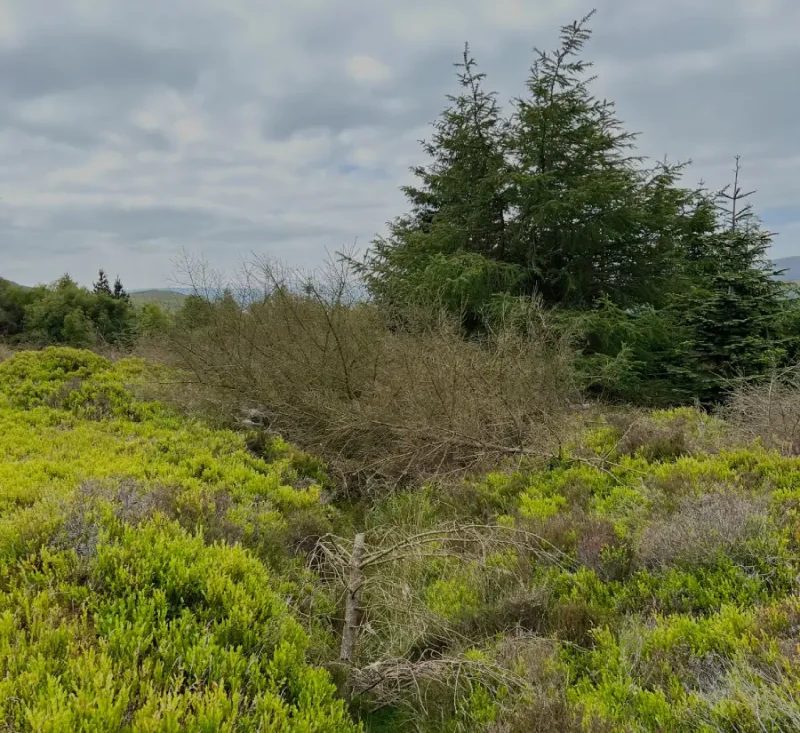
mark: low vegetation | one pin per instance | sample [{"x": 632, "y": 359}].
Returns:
[
  {"x": 162, "y": 574},
  {"x": 68, "y": 314},
  {"x": 145, "y": 564}
]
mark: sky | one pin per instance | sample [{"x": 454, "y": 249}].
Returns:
[{"x": 133, "y": 132}]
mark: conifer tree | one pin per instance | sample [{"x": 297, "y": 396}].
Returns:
[
  {"x": 551, "y": 201},
  {"x": 737, "y": 306},
  {"x": 453, "y": 243},
  {"x": 101, "y": 287},
  {"x": 119, "y": 291},
  {"x": 592, "y": 223}
]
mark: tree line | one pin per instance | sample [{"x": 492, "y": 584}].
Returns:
[{"x": 66, "y": 313}]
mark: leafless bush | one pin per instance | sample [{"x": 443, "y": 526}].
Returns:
[
  {"x": 666, "y": 437},
  {"x": 418, "y": 684},
  {"x": 702, "y": 528},
  {"x": 766, "y": 697},
  {"x": 527, "y": 688},
  {"x": 387, "y": 398},
  {"x": 769, "y": 412},
  {"x": 5, "y": 352},
  {"x": 390, "y": 574},
  {"x": 642, "y": 435},
  {"x": 129, "y": 501}
]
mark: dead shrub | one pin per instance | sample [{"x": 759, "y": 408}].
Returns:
[
  {"x": 768, "y": 412},
  {"x": 656, "y": 441},
  {"x": 127, "y": 500},
  {"x": 703, "y": 528},
  {"x": 599, "y": 549},
  {"x": 591, "y": 540},
  {"x": 524, "y": 610},
  {"x": 544, "y": 708},
  {"x": 5, "y": 352},
  {"x": 381, "y": 397},
  {"x": 558, "y": 531},
  {"x": 665, "y": 437},
  {"x": 549, "y": 712},
  {"x": 520, "y": 673}
]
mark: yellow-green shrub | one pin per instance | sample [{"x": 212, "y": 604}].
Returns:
[{"x": 117, "y": 612}]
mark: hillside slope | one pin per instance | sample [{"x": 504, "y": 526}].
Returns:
[{"x": 169, "y": 299}]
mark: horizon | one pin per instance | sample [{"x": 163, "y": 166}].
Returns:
[{"x": 185, "y": 290}]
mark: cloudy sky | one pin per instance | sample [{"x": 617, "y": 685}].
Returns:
[{"x": 130, "y": 131}]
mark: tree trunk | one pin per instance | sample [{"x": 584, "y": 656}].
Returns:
[{"x": 353, "y": 602}]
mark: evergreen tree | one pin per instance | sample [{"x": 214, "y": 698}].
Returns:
[
  {"x": 670, "y": 295},
  {"x": 452, "y": 246},
  {"x": 68, "y": 313},
  {"x": 466, "y": 181},
  {"x": 13, "y": 302},
  {"x": 592, "y": 222},
  {"x": 551, "y": 201},
  {"x": 101, "y": 287},
  {"x": 737, "y": 307},
  {"x": 195, "y": 312},
  {"x": 153, "y": 320},
  {"x": 119, "y": 291},
  {"x": 77, "y": 329}
]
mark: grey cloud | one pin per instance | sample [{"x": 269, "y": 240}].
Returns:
[
  {"x": 64, "y": 62},
  {"x": 79, "y": 134},
  {"x": 697, "y": 27},
  {"x": 135, "y": 224},
  {"x": 414, "y": 95},
  {"x": 153, "y": 223},
  {"x": 147, "y": 140},
  {"x": 76, "y": 136}
]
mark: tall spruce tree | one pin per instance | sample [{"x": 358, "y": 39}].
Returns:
[
  {"x": 592, "y": 222},
  {"x": 452, "y": 246},
  {"x": 551, "y": 201},
  {"x": 670, "y": 294}
]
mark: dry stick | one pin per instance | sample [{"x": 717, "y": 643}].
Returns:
[{"x": 353, "y": 600}]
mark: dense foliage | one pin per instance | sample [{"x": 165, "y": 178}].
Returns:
[
  {"x": 551, "y": 201},
  {"x": 654, "y": 588},
  {"x": 465, "y": 542},
  {"x": 124, "y": 602},
  {"x": 66, "y": 313},
  {"x": 153, "y": 576}
]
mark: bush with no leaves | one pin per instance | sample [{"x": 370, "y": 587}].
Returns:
[
  {"x": 665, "y": 435},
  {"x": 702, "y": 529},
  {"x": 381, "y": 397},
  {"x": 769, "y": 412}
]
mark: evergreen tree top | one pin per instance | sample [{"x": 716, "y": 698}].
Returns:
[
  {"x": 119, "y": 291},
  {"x": 101, "y": 287}
]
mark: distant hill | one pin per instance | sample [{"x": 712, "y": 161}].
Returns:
[
  {"x": 792, "y": 267},
  {"x": 4, "y": 281},
  {"x": 169, "y": 299}
]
